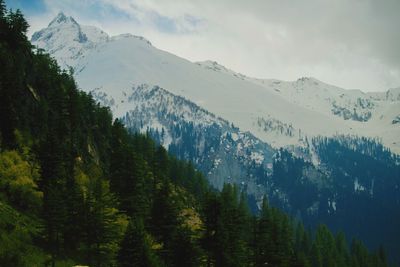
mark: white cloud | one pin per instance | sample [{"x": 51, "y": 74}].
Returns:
[{"x": 353, "y": 44}]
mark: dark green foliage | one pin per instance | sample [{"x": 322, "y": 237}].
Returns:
[
  {"x": 164, "y": 220},
  {"x": 129, "y": 174},
  {"x": 101, "y": 223},
  {"x": 104, "y": 197},
  {"x": 232, "y": 237},
  {"x": 355, "y": 188},
  {"x": 230, "y": 231},
  {"x": 135, "y": 249},
  {"x": 263, "y": 243},
  {"x": 185, "y": 251},
  {"x": 16, "y": 235},
  {"x": 273, "y": 238},
  {"x": 325, "y": 244},
  {"x": 367, "y": 177}
]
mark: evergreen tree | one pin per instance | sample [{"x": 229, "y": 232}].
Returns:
[
  {"x": 54, "y": 210},
  {"x": 342, "y": 257},
  {"x": 102, "y": 223},
  {"x": 164, "y": 219},
  {"x": 325, "y": 242},
  {"x": 2, "y": 9},
  {"x": 186, "y": 252},
  {"x": 135, "y": 249},
  {"x": 316, "y": 257},
  {"x": 263, "y": 236},
  {"x": 244, "y": 227},
  {"x": 211, "y": 211},
  {"x": 96, "y": 178}
]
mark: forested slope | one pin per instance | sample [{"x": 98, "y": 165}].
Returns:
[{"x": 77, "y": 188}]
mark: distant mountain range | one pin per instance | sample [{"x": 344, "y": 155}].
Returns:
[
  {"x": 278, "y": 112},
  {"x": 317, "y": 151}
]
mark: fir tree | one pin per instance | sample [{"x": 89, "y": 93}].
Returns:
[{"x": 135, "y": 249}]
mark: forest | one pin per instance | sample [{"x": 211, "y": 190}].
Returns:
[{"x": 77, "y": 188}]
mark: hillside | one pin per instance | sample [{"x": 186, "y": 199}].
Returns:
[
  {"x": 77, "y": 188},
  {"x": 307, "y": 107},
  {"x": 232, "y": 127}
]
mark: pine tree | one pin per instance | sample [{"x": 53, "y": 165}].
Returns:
[
  {"x": 54, "y": 210},
  {"x": 186, "y": 252},
  {"x": 135, "y": 249},
  {"x": 244, "y": 225},
  {"x": 315, "y": 256},
  {"x": 263, "y": 243},
  {"x": 130, "y": 177},
  {"x": 102, "y": 223},
  {"x": 343, "y": 257},
  {"x": 2, "y": 9},
  {"x": 211, "y": 211},
  {"x": 326, "y": 243},
  {"x": 164, "y": 219},
  {"x": 87, "y": 164}
]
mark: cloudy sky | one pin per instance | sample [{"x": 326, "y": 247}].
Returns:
[{"x": 354, "y": 44}]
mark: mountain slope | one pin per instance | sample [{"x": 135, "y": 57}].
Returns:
[
  {"x": 187, "y": 106},
  {"x": 307, "y": 106},
  {"x": 217, "y": 148},
  {"x": 77, "y": 189},
  {"x": 340, "y": 181}
]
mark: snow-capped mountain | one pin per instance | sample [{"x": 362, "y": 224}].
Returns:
[
  {"x": 216, "y": 147},
  {"x": 351, "y": 111},
  {"x": 67, "y": 41},
  {"x": 278, "y": 112},
  {"x": 232, "y": 127}
]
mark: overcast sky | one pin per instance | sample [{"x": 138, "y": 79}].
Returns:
[{"x": 353, "y": 44}]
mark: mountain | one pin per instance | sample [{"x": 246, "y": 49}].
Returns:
[
  {"x": 280, "y": 113},
  {"x": 314, "y": 149},
  {"x": 217, "y": 148},
  {"x": 77, "y": 189}
]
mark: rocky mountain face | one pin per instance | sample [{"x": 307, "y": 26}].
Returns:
[
  {"x": 218, "y": 148},
  {"x": 290, "y": 110},
  {"x": 331, "y": 180},
  {"x": 314, "y": 149}
]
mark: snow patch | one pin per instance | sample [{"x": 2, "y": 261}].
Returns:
[
  {"x": 257, "y": 157},
  {"x": 358, "y": 186}
]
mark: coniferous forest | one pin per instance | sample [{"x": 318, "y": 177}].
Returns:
[{"x": 77, "y": 188}]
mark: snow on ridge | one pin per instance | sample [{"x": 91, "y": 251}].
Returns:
[
  {"x": 307, "y": 104},
  {"x": 215, "y": 66},
  {"x": 61, "y": 18},
  {"x": 146, "y": 95},
  {"x": 128, "y": 35}
]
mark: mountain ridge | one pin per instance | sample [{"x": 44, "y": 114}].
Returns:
[
  {"x": 132, "y": 60},
  {"x": 305, "y": 117}
]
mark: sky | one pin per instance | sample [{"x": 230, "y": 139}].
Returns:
[{"x": 354, "y": 44}]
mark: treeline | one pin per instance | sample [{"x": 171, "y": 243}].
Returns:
[
  {"x": 368, "y": 179},
  {"x": 368, "y": 147},
  {"x": 77, "y": 188},
  {"x": 375, "y": 167}
]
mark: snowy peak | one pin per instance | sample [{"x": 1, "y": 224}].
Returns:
[
  {"x": 128, "y": 35},
  {"x": 67, "y": 29},
  {"x": 278, "y": 112},
  {"x": 215, "y": 66},
  {"x": 61, "y": 18},
  {"x": 308, "y": 81},
  {"x": 67, "y": 40}
]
